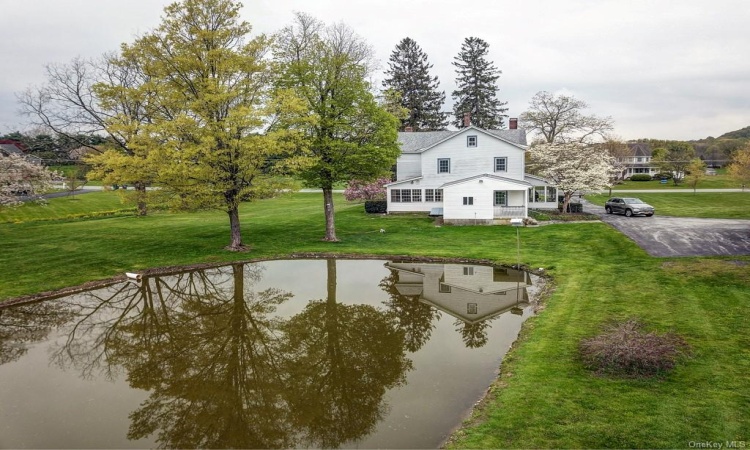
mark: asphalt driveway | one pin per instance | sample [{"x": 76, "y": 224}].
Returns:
[{"x": 681, "y": 236}]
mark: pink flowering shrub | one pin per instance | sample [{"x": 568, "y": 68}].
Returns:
[{"x": 366, "y": 190}]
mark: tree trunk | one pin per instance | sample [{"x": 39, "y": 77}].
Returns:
[
  {"x": 566, "y": 202},
  {"x": 235, "y": 244},
  {"x": 140, "y": 196},
  {"x": 330, "y": 223}
]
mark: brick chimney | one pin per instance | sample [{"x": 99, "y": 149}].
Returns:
[
  {"x": 408, "y": 129},
  {"x": 467, "y": 119},
  {"x": 513, "y": 123}
]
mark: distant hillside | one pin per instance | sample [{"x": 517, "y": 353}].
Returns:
[{"x": 743, "y": 133}]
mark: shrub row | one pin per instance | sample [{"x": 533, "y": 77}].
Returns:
[{"x": 376, "y": 206}]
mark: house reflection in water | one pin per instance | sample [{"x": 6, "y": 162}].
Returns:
[{"x": 470, "y": 293}]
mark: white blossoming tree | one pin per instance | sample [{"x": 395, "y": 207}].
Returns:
[
  {"x": 572, "y": 167},
  {"x": 19, "y": 177}
]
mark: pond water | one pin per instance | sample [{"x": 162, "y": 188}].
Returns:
[{"x": 276, "y": 354}]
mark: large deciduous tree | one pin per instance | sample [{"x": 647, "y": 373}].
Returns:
[
  {"x": 560, "y": 118},
  {"x": 347, "y": 135},
  {"x": 86, "y": 98},
  {"x": 476, "y": 78},
  {"x": 205, "y": 93},
  {"x": 409, "y": 75},
  {"x": 572, "y": 167},
  {"x": 675, "y": 157}
]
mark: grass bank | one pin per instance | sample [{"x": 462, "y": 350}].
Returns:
[{"x": 544, "y": 398}]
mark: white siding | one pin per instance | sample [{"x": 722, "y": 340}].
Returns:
[
  {"x": 465, "y": 162},
  {"x": 408, "y": 166},
  {"x": 483, "y": 192},
  {"x": 471, "y": 161}
]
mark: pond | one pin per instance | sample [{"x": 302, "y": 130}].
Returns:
[{"x": 274, "y": 354}]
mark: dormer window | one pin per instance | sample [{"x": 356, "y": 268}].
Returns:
[{"x": 471, "y": 141}]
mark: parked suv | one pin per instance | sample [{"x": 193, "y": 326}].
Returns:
[{"x": 629, "y": 206}]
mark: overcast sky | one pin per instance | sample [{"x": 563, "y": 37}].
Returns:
[{"x": 660, "y": 68}]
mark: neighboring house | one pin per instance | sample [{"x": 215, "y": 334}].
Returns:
[
  {"x": 10, "y": 147},
  {"x": 468, "y": 292},
  {"x": 638, "y": 161},
  {"x": 469, "y": 176},
  {"x": 80, "y": 152}
]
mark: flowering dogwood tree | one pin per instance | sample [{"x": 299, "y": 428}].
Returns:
[
  {"x": 19, "y": 177},
  {"x": 366, "y": 190},
  {"x": 572, "y": 167}
]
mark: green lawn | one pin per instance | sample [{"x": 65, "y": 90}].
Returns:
[
  {"x": 74, "y": 206},
  {"x": 724, "y": 205},
  {"x": 543, "y": 398},
  {"x": 720, "y": 181}
]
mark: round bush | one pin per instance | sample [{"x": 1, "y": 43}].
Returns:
[
  {"x": 626, "y": 350},
  {"x": 640, "y": 177}
]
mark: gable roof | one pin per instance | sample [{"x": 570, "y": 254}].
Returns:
[
  {"x": 9, "y": 146},
  {"x": 419, "y": 141},
  {"x": 490, "y": 176}
]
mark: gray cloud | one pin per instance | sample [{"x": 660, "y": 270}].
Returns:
[{"x": 662, "y": 69}]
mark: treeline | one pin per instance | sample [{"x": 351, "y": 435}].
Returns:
[{"x": 53, "y": 149}]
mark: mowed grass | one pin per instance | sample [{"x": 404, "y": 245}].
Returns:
[
  {"x": 543, "y": 398},
  {"x": 719, "y": 181},
  {"x": 722, "y": 205},
  {"x": 73, "y": 206}
]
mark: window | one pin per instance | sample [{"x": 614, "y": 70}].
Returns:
[
  {"x": 444, "y": 165},
  {"x": 433, "y": 195},
  {"x": 471, "y": 141},
  {"x": 406, "y": 195},
  {"x": 501, "y": 198},
  {"x": 471, "y": 308},
  {"x": 444, "y": 288},
  {"x": 501, "y": 164},
  {"x": 468, "y": 270},
  {"x": 468, "y": 200}
]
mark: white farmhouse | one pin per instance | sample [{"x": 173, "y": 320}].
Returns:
[{"x": 469, "y": 176}]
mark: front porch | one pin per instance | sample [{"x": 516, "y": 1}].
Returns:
[{"x": 509, "y": 212}]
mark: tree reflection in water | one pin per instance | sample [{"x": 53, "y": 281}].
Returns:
[
  {"x": 343, "y": 358},
  {"x": 223, "y": 370},
  {"x": 415, "y": 319},
  {"x": 25, "y": 324}
]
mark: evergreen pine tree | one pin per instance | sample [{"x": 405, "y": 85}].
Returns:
[
  {"x": 477, "y": 91},
  {"x": 409, "y": 76}
]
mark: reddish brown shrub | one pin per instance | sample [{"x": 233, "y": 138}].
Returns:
[{"x": 626, "y": 350}]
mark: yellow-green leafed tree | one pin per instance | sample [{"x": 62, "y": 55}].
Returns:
[
  {"x": 739, "y": 168},
  {"x": 695, "y": 173},
  {"x": 204, "y": 91}
]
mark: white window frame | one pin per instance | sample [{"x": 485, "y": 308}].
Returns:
[
  {"x": 504, "y": 160},
  {"x": 406, "y": 195},
  {"x": 446, "y": 160},
  {"x": 472, "y": 141},
  {"x": 505, "y": 198},
  {"x": 468, "y": 201}
]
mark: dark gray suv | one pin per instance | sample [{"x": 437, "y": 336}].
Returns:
[{"x": 629, "y": 206}]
